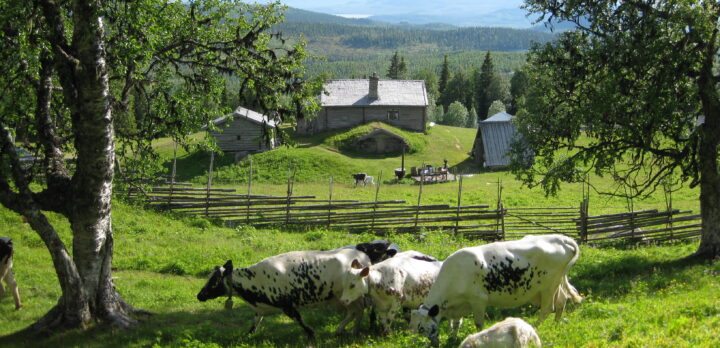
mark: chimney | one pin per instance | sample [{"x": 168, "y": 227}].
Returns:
[{"x": 373, "y": 92}]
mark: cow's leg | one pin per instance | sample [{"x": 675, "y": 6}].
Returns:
[
  {"x": 559, "y": 303},
  {"x": 291, "y": 312},
  {"x": 387, "y": 316},
  {"x": 12, "y": 284},
  {"x": 479, "y": 316},
  {"x": 547, "y": 298},
  {"x": 4, "y": 270},
  {"x": 353, "y": 313}
]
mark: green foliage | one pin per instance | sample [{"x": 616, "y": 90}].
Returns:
[
  {"x": 345, "y": 140},
  {"x": 496, "y": 107},
  {"x": 472, "y": 119},
  {"x": 456, "y": 115}
]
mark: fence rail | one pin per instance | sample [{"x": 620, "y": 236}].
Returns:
[{"x": 398, "y": 216}]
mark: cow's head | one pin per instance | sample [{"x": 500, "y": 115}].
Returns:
[
  {"x": 424, "y": 321},
  {"x": 355, "y": 284},
  {"x": 216, "y": 285},
  {"x": 378, "y": 250}
]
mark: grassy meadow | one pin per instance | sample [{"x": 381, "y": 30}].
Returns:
[{"x": 635, "y": 296}]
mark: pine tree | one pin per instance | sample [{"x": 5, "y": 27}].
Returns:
[
  {"x": 444, "y": 75},
  {"x": 398, "y": 67},
  {"x": 482, "y": 83}
]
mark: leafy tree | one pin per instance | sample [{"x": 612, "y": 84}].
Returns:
[
  {"x": 398, "y": 68},
  {"x": 444, "y": 74},
  {"x": 495, "y": 107},
  {"x": 456, "y": 115},
  {"x": 70, "y": 70},
  {"x": 472, "y": 119},
  {"x": 632, "y": 82},
  {"x": 518, "y": 85}
]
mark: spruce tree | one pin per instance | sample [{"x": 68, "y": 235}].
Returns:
[{"x": 444, "y": 75}]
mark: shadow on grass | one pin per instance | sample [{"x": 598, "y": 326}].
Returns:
[
  {"x": 616, "y": 276},
  {"x": 197, "y": 164},
  {"x": 207, "y": 327}
]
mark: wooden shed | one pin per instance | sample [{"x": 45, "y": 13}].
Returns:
[
  {"x": 244, "y": 131},
  {"x": 492, "y": 141},
  {"x": 349, "y": 103}
]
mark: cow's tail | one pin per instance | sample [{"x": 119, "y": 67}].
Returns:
[{"x": 565, "y": 286}]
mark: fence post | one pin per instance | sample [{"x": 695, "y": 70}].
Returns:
[
  {"x": 209, "y": 184},
  {"x": 584, "y": 212},
  {"x": 377, "y": 192},
  {"x": 417, "y": 211},
  {"x": 500, "y": 223},
  {"x": 330, "y": 202},
  {"x": 172, "y": 176},
  {"x": 250, "y": 175},
  {"x": 457, "y": 214},
  {"x": 291, "y": 183},
  {"x": 668, "y": 206}
]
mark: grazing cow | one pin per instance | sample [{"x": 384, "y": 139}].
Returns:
[
  {"x": 377, "y": 250},
  {"x": 359, "y": 178},
  {"x": 6, "y": 272},
  {"x": 287, "y": 282},
  {"x": 503, "y": 274},
  {"x": 400, "y": 282},
  {"x": 369, "y": 180},
  {"x": 509, "y": 333}
]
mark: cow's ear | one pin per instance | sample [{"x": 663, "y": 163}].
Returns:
[
  {"x": 228, "y": 268},
  {"x": 356, "y": 264},
  {"x": 391, "y": 252},
  {"x": 365, "y": 272},
  {"x": 434, "y": 311}
]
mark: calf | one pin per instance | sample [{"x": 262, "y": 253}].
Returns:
[
  {"x": 287, "y": 282},
  {"x": 369, "y": 180},
  {"x": 6, "y": 272},
  {"x": 509, "y": 333},
  {"x": 359, "y": 178},
  {"x": 400, "y": 282},
  {"x": 502, "y": 274}
]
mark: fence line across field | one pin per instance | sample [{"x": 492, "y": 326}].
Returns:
[{"x": 477, "y": 221}]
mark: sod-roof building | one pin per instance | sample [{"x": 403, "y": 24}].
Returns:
[{"x": 348, "y": 103}]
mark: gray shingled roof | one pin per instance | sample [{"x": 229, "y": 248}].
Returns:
[
  {"x": 499, "y": 117},
  {"x": 247, "y": 114},
  {"x": 390, "y": 92}
]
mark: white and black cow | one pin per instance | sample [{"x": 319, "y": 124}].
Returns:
[
  {"x": 363, "y": 178},
  {"x": 503, "y": 274},
  {"x": 509, "y": 333},
  {"x": 400, "y": 282},
  {"x": 288, "y": 282},
  {"x": 6, "y": 272}
]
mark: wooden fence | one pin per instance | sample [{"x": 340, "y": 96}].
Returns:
[{"x": 471, "y": 221}]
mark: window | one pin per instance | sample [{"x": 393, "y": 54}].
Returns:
[
  {"x": 239, "y": 137},
  {"x": 393, "y": 115}
]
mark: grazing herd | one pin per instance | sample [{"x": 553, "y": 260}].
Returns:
[{"x": 502, "y": 274}]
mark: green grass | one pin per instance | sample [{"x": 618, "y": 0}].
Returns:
[
  {"x": 317, "y": 158},
  {"x": 635, "y": 296},
  {"x": 345, "y": 140}
]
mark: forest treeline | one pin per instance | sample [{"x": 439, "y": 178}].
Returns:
[{"x": 376, "y": 37}]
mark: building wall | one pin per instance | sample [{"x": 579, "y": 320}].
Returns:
[
  {"x": 496, "y": 138},
  {"x": 330, "y": 118},
  {"x": 250, "y": 134}
]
